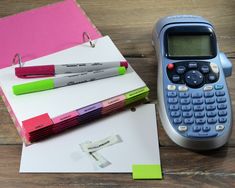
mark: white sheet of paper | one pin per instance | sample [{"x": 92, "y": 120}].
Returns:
[
  {"x": 62, "y": 153},
  {"x": 62, "y": 100}
]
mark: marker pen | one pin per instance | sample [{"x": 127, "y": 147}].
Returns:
[
  {"x": 53, "y": 83},
  {"x": 51, "y": 70}
]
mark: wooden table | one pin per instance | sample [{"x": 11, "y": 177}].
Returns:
[{"x": 129, "y": 24}]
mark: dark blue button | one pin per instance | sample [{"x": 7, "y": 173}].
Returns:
[
  {"x": 199, "y": 114},
  {"x": 208, "y": 94},
  {"x": 211, "y": 114},
  {"x": 196, "y": 128},
  {"x": 206, "y": 128},
  {"x": 211, "y": 120},
  {"x": 197, "y": 101},
  {"x": 210, "y": 101},
  {"x": 184, "y": 94},
  {"x": 184, "y": 101},
  {"x": 192, "y": 65},
  {"x": 210, "y": 107},
  {"x": 200, "y": 121},
  {"x": 220, "y": 93},
  {"x": 177, "y": 120},
  {"x": 188, "y": 121},
  {"x": 222, "y": 120},
  {"x": 219, "y": 86},
  {"x": 198, "y": 108},
  {"x": 171, "y": 94},
  {"x": 172, "y": 100},
  {"x": 222, "y": 113},
  {"x": 221, "y": 100},
  {"x": 205, "y": 69},
  {"x": 174, "y": 107},
  {"x": 186, "y": 108},
  {"x": 175, "y": 114},
  {"x": 222, "y": 106},
  {"x": 202, "y": 135},
  {"x": 175, "y": 78},
  {"x": 196, "y": 95},
  {"x": 212, "y": 77},
  {"x": 180, "y": 69},
  {"x": 187, "y": 114}
]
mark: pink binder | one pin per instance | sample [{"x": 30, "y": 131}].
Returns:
[{"x": 42, "y": 31}]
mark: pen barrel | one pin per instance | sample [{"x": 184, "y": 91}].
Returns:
[
  {"x": 88, "y": 76},
  {"x": 31, "y": 87},
  {"x": 85, "y": 67}
]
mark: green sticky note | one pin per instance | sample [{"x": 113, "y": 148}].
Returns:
[{"x": 146, "y": 171}]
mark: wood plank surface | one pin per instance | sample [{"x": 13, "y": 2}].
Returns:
[{"x": 129, "y": 24}]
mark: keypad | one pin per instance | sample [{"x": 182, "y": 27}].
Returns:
[{"x": 198, "y": 114}]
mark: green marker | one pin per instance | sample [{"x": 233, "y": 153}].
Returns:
[{"x": 53, "y": 83}]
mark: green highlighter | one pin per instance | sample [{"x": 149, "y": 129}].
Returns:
[{"x": 53, "y": 83}]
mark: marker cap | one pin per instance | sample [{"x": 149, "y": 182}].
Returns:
[
  {"x": 124, "y": 64},
  {"x": 121, "y": 70},
  {"x": 40, "y": 85}
]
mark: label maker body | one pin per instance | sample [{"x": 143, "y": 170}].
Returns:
[{"x": 194, "y": 102}]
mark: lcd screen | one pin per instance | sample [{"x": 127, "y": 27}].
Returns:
[{"x": 189, "y": 45}]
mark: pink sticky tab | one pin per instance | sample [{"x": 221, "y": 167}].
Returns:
[
  {"x": 65, "y": 117},
  {"x": 42, "y": 31},
  {"x": 113, "y": 101},
  {"x": 36, "y": 123}
]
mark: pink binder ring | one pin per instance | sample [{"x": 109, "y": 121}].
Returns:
[
  {"x": 87, "y": 37},
  {"x": 17, "y": 60}
]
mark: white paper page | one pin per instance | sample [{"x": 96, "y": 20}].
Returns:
[
  {"x": 62, "y": 153},
  {"x": 59, "y": 101}
]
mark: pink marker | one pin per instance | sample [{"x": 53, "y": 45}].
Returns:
[{"x": 51, "y": 70}]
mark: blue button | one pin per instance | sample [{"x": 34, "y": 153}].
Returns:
[
  {"x": 208, "y": 94},
  {"x": 187, "y": 114},
  {"x": 198, "y": 108},
  {"x": 180, "y": 69},
  {"x": 196, "y": 95},
  {"x": 197, "y": 101},
  {"x": 196, "y": 128},
  {"x": 206, "y": 128},
  {"x": 177, "y": 120},
  {"x": 211, "y": 114},
  {"x": 175, "y": 114},
  {"x": 221, "y": 100},
  {"x": 222, "y": 113},
  {"x": 205, "y": 69},
  {"x": 192, "y": 65},
  {"x": 210, "y": 107},
  {"x": 219, "y": 93},
  {"x": 175, "y": 78},
  {"x": 222, "y": 120},
  {"x": 200, "y": 121},
  {"x": 184, "y": 94},
  {"x": 218, "y": 86},
  {"x": 171, "y": 94},
  {"x": 199, "y": 114},
  {"x": 222, "y": 106},
  {"x": 174, "y": 107},
  {"x": 172, "y": 100},
  {"x": 188, "y": 121},
  {"x": 186, "y": 108},
  {"x": 211, "y": 120},
  {"x": 210, "y": 101},
  {"x": 202, "y": 135},
  {"x": 184, "y": 101}
]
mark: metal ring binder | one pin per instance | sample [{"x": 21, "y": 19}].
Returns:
[
  {"x": 86, "y": 35},
  {"x": 17, "y": 56}
]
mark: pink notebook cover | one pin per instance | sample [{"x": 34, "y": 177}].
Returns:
[{"x": 42, "y": 31}]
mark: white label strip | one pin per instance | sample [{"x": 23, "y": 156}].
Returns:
[{"x": 99, "y": 160}]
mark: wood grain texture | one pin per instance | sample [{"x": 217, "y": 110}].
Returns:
[{"x": 130, "y": 23}]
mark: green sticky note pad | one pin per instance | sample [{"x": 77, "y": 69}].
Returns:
[{"x": 149, "y": 171}]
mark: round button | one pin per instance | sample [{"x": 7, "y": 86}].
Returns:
[
  {"x": 170, "y": 66},
  {"x": 212, "y": 77},
  {"x": 175, "y": 78},
  {"x": 193, "y": 78},
  {"x": 180, "y": 69}
]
